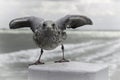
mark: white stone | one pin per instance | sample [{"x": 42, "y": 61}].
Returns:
[{"x": 68, "y": 71}]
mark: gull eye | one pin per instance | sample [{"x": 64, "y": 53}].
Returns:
[
  {"x": 53, "y": 25},
  {"x": 44, "y": 24}
]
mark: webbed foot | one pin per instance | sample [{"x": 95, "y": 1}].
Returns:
[
  {"x": 37, "y": 63},
  {"x": 62, "y": 60}
]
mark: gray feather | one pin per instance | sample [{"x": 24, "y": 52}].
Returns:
[
  {"x": 31, "y": 22},
  {"x": 73, "y": 21}
]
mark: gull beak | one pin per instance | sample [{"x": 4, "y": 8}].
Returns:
[{"x": 48, "y": 28}]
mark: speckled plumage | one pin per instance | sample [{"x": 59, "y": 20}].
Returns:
[{"x": 49, "y": 39}]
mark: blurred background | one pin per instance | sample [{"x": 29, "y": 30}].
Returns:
[{"x": 99, "y": 43}]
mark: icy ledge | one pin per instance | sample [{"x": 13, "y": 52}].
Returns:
[{"x": 68, "y": 71}]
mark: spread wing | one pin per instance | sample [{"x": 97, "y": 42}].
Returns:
[
  {"x": 31, "y": 22},
  {"x": 73, "y": 21}
]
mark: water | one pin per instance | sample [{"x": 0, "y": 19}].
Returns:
[{"x": 84, "y": 46}]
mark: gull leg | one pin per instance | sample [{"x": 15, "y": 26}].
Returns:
[
  {"x": 63, "y": 57},
  {"x": 38, "y": 61}
]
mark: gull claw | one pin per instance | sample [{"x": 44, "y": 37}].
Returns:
[
  {"x": 62, "y": 60},
  {"x": 37, "y": 63}
]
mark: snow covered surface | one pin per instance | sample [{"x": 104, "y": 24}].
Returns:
[
  {"x": 83, "y": 46},
  {"x": 68, "y": 71}
]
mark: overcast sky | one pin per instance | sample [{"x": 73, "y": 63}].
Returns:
[{"x": 104, "y": 13}]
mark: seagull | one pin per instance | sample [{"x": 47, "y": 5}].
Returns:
[{"x": 48, "y": 34}]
